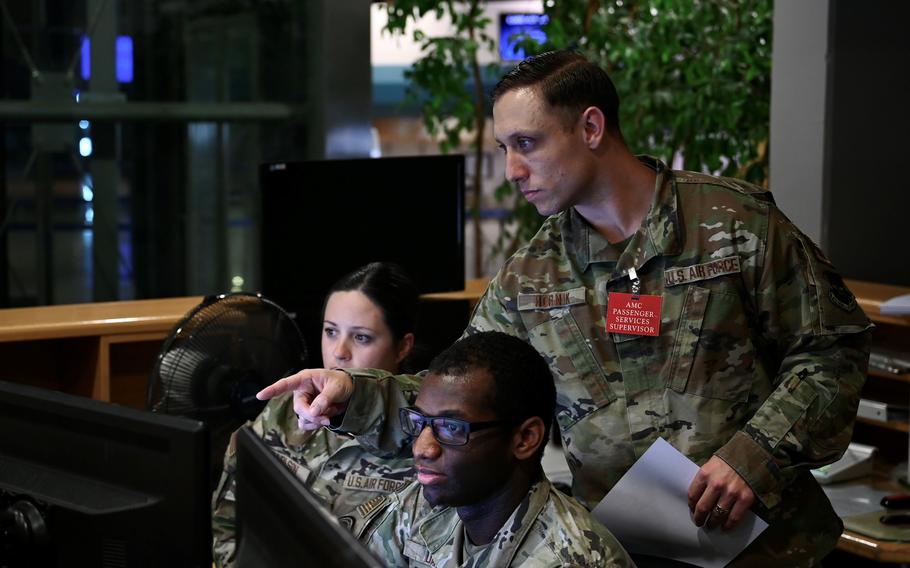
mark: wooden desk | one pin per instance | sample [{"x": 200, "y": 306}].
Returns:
[
  {"x": 870, "y": 297},
  {"x": 869, "y": 547},
  {"x": 877, "y": 550},
  {"x": 106, "y": 350}
]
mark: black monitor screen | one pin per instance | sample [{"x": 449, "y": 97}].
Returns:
[
  {"x": 89, "y": 483},
  {"x": 322, "y": 219},
  {"x": 280, "y": 523}
]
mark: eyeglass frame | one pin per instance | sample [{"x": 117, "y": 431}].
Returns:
[{"x": 432, "y": 422}]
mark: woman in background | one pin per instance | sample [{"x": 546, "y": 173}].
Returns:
[{"x": 369, "y": 319}]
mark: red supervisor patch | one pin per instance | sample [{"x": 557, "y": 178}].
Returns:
[{"x": 633, "y": 316}]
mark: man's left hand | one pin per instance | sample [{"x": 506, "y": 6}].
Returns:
[{"x": 718, "y": 496}]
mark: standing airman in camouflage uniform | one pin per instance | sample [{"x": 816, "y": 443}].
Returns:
[
  {"x": 478, "y": 429},
  {"x": 668, "y": 304},
  {"x": 759, "y": 360}
]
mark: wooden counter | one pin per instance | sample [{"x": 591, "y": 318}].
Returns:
[
  {"x": 102, "y": 318},
  {"x": 104, "y": 350},
  {"x": 473, "y": 290}
]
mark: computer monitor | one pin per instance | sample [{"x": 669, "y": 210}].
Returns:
[
  {"x": 280, "y": 523},
  {"x": 89, "y": 483},
  {"x": 321, "y": 219}
]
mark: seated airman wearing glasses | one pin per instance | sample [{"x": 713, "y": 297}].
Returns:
[{"x": 478, "y": 429}]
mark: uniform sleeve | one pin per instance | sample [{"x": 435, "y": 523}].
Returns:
[
  {"x": 372, "y": 413},
  {"x": 224, "y": 526},
  {"x": 495, "y": 311},
  {"x": 818, "y": 336}
]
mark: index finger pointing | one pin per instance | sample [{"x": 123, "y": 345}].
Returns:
[{"x": 281, "y": 386}]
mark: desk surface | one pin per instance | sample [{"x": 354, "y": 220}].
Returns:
[
  {"x": 881, "y": 479},
  {"x": 878, "y": 550}
]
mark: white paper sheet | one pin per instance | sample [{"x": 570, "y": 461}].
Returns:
[{"x": 648, "y": 511}]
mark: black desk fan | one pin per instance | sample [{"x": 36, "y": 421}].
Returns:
[{"x": 218, "y": 357}]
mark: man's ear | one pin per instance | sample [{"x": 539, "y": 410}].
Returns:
[
  {"x": 529, "y": 437},
  {"x": 405, "y": 346},
  {"x": 593, "y": 125}
]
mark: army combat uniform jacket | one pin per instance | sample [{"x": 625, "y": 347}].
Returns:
[
  {"x": 334, "y": 466},
  {"x": 547, "y": 529},
  {"x": 759, "y": 358}
]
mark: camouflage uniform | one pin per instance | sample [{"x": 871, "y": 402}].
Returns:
[
  {"x": 546, "y": 529},
  {"x": 760, "y": 357},
  {"x": 334, "y": 466}
]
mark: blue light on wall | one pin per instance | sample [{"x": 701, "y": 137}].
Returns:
[
  {"x": 86, "y": 59},
  {"x": 123, "y": 59}
]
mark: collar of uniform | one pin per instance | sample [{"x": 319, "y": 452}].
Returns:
[
  {"x": 659, "y": 233},
  {"x": 438, "y": 529},
  {"x": 433, "y": 531},
  {"x": 590, "y": 245}
]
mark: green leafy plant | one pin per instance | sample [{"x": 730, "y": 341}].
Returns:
[{"x": 693, "y": 76}]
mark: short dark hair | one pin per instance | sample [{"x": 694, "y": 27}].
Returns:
[
  {"x": 522, "y": 385},
  {"x": 568, "y": 82},
  {"x": 388, "y": 286}
]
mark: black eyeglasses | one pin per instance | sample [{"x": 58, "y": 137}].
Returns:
[{"x": 448, "y": 431}]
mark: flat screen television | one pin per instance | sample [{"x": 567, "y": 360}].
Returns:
[
  {"x": 280, "y": 522},
  {"x": 321, "y": 219},
  {"x": 514, "y": 27},
  {"x": 89, "y": 483}
]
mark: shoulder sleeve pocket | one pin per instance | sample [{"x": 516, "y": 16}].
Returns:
[{"x": 838, "y": 311}]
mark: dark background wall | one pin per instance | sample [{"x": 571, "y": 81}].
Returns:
[{"x": 866, "y": 203}]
